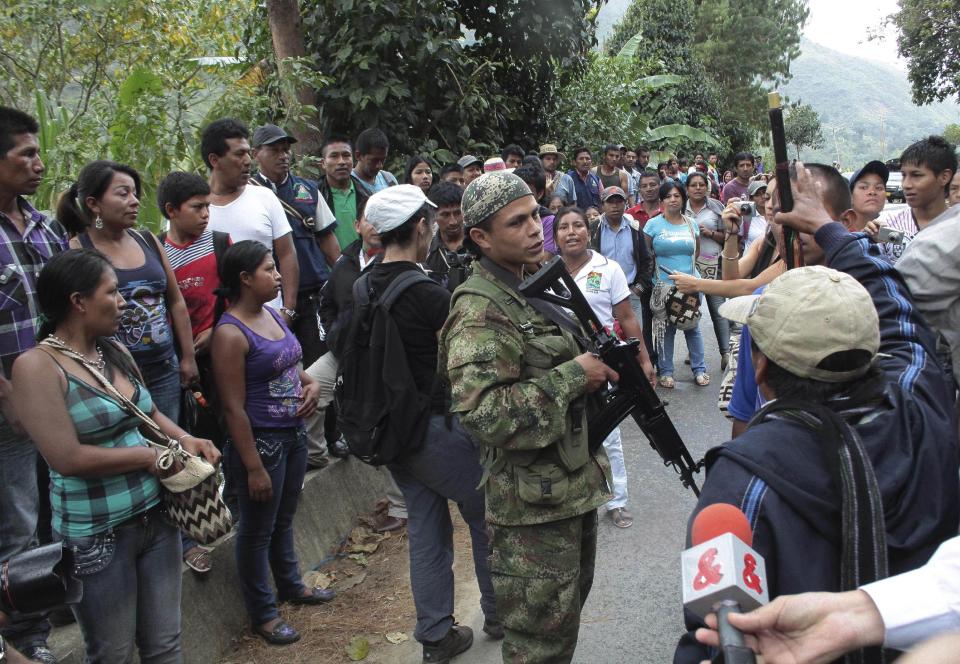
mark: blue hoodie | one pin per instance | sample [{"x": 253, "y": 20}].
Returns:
[{"x": 776, "y": 474}]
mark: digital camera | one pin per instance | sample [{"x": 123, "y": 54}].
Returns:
[
  {"x": 747, "y": 209},
  {"x": 890, "y": 235}
]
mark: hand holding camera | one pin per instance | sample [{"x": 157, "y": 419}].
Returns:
[
  {"x": 889, "y": 235},
  {"x": 732, "y": 217}
]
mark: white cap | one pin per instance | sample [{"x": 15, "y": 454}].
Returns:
[
  {"x": 807, "y": 314},
  {"x": 389, "y": 208}
]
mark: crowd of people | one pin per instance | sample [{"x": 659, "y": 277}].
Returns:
[{"x": 230, "y": 330}]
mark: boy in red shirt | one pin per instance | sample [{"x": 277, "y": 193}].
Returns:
[
  {"x": 184, "y": 199},
  {"x": 193, "y": 251}
]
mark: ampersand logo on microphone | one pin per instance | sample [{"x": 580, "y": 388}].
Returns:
[
  {"x": 751, "y": 580},
  {"x": 708, "y": 571}
]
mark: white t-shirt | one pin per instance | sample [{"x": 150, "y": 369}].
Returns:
[
  {"x": 604, "y": 284},
  {"x": 257, "y": 215},
  {"x": 758, "y": 227}
]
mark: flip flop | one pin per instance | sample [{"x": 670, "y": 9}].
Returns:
[{"x": 198, "y": 559}]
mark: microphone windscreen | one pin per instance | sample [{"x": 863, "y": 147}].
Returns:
[{"x": 718, "y": 519}]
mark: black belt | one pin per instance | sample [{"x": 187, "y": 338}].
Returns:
[{"x": 143, "y": 519}]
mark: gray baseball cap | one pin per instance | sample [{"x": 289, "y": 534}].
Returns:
[
  {"x": 469, "y": 160},
  {"x": 270, "y": 133},
  {"x": 756, "y": 186},
  {"x": 806, "y": 315}
]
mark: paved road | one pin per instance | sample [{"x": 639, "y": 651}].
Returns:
[{"x": 634, "y": 611}]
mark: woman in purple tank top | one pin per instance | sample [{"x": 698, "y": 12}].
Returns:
[{"x": 265, "y": 395}]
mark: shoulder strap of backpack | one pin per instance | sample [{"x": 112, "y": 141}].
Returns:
[
  {"x": 399, "y": 285},
  {"x": 221, "y": 242},
  {"x": 361, "y": 290}
]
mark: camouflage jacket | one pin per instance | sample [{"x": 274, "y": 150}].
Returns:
[{"x": 515, "y": 388}]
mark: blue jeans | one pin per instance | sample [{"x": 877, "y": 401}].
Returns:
[
  {"x": 721, "y": 326},
  {"x": 19, "y": 503},
  {"x": 163, "y": 381},
  {"x": 447, "y": 467},
  {"x": 265, "y": 531},
  {"x": 694, "y": 346},
  {"x": 131, "y": 591}
]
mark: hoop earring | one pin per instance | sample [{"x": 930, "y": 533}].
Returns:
[{"x": 98, "y": 224}]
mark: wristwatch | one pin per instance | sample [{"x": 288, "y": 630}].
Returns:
[{"x": 290, "y": 313}]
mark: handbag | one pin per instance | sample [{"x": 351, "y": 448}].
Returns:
[{"x": 192, "y": 494}]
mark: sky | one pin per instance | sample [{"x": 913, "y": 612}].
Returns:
[{"x": 843, "y": 25}]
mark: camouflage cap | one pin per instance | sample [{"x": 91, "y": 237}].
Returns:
[{"x": 489, "y": 194}]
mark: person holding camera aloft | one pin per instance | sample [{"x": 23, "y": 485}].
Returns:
[{"x": 104, "y": 488}]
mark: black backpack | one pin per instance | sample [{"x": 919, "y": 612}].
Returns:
[{"x": 380, "y": 412}]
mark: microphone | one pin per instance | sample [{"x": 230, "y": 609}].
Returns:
[{"x": 722, "y": 574}]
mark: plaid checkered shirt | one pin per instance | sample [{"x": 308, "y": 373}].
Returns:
[{"x": 21, "y": 259}]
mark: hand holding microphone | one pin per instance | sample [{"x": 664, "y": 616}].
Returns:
[{"x": 723, "y": 575}]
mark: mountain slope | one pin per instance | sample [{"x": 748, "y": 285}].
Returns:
[{"x": 864, "y": 105}]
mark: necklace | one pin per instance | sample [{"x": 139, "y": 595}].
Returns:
[
  {"x": 574, "y": 271},
  {"x": 61, "y": 345}
]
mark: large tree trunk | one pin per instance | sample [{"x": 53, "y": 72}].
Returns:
[{"x": 287, "y": 34}]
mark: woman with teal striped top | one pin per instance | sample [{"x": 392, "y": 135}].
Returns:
[{"x": 104, "y": 488}]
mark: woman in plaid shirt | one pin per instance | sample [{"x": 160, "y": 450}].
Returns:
[{"x": 104, "y": 490}]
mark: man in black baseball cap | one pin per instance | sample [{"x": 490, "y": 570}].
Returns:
[
  {"x": 868, "y": 191},
  {"x": 312, "y": 222},
  {"x": 472, "y": 168}
]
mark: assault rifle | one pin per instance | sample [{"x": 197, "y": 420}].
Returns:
[{"x": 633, "y": 395}]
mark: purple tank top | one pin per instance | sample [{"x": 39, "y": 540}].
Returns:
[{"x": 272, "y": 376}]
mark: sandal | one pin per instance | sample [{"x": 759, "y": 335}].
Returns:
[
  {"x": 281, "y": 635},
  {"x": 702, "y": 379},
  {"x": 198, "y": 559},
  {"x": 667, "y": 382}
]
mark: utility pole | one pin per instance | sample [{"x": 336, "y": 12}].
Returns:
[
  {"x": 836, "y": 144},
  {"x": 883, "y": 135}
]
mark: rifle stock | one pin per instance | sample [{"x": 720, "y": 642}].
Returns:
[{"x": 633, "y": 395}]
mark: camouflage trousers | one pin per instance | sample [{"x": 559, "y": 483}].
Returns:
[{"x": 541, "y": 577}]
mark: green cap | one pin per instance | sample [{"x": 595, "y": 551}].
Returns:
[{"x": 489, "y": 194}]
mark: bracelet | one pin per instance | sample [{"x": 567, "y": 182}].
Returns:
[
  {"x": 186, "y": 435},
  {"x": 729, "y": 258}
]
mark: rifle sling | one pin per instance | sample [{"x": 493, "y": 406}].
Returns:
[{"x": 551, "y": 311}]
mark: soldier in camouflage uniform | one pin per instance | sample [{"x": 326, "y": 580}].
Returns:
[{"x": 519, "y": 383}]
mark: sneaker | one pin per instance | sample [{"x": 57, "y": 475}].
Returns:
[
  {"x": 457, "y": 640},
  {"x": 493, "y": 629},
  {"x": 40, "y": 654},
  {"x": 621, "y": 517}
]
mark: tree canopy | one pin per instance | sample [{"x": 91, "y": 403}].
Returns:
[
  {"x": 732, "y": 53},
  {"x": 801, "y": 125},
  {"x": 930, "y": 42},
  {"x": 443, "y": 76}
]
